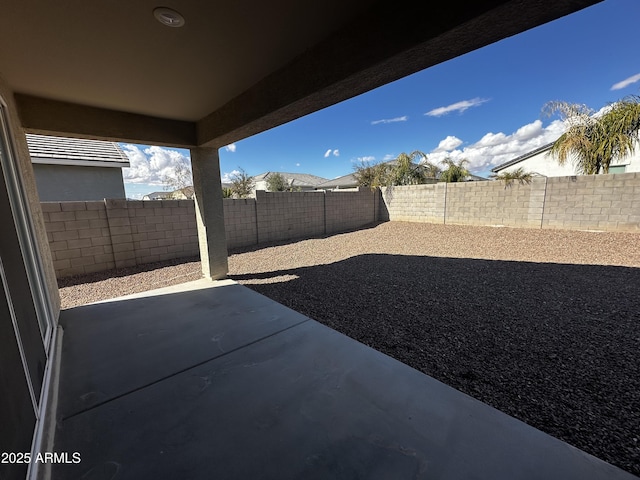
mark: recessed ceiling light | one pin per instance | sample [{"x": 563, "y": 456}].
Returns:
[{"x": 168, "y": 17}]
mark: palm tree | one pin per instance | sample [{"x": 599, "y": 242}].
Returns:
[
  {"x": 518, "y": 175},
  {"x": 406, "y": 172},
  {"x": 594, "y": 141},
  {"x": 455, "y": 172},
  {"x": 401, "y": 171}
]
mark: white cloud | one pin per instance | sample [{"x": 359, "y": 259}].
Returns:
[
  {"x": 328, "y": 153},
  {"x": 626, "y": 82},
  {"x": 151, "y": 164},
  {"x": 390, "y": 120},
  {"x": 494, "y": 149},
  {"x": 297, "y": 164},
  {"x": 457, "y": 107},
  {"x": 231, "y": 147},
  {"x": 448, "y": 144},
  {"x": 227, "y": 177}
]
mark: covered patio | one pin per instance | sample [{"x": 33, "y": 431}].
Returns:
[
  {"x": 209, "y": 379},
  {"x": 213, "y": 380}
]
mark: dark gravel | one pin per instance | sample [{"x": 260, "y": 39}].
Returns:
[
  {"x": 542, "y": 325},
  {"x": 553, "y": 345}
]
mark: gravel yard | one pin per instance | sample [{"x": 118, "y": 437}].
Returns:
[{"x": 541, "y": 324}]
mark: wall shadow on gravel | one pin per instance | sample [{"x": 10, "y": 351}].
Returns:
[
  {"x": 289, "y": 241},
  {"x": 554, "y": 345},
  {"x": 122, "y": 272}
]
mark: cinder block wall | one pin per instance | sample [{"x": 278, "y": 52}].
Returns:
[
  {"x": 414, "y": 203},
  {"x": 493, "y": 203},
  {"x": 240, "y": 222},
  {"x": 79, "y": 237},
  {"x": 87, "y": 237},
  {"x": 593, "y": 202},
  {"x": 289, "y": 215},
  {"x": 587, "y": 202},
  {"x": 347, "y": 210}
]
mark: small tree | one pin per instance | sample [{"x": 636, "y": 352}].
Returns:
[
  {"x": 227, "y": 192},
  {"x": 178, "y": 179},
  {"x": 277, "y": 183},
  {"x": 454, "y": 172},
  {"x": 518, "y": 175},
  {"x": 372, "y": 175},
  {"x": 241, "y": 184}
]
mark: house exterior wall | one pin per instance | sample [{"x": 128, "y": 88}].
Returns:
[
  {"x": 543, "y": 163},
  {"x": 23, "y": 353},
  {"x": 65, "y": 183},
  {"x": 30, "y": 189}
]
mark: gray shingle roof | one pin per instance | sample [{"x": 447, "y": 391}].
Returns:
[
  {"x": 348, "y": 180},
  {"x": 296, "y": 179},
  {"x": 75, "y": 151}
]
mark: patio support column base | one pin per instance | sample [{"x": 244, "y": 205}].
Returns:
[{"x": 205, "y": 165}]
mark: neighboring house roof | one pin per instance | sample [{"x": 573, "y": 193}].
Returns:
[
  {"x": 186, "y": 193},
  {"x": 46, "y": 149},
  {"x": 157, "y": 196},
  {"x": 294, "y": 179},
  {"x": 344, "y": 181},
  {"x": 475, "y": 178},
  {"x": 522, "y": 157}
]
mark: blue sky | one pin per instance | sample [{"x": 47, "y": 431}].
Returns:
[{"x": 484, "y": 106}]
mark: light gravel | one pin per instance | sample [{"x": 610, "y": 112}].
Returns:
[{"x": 541, "y": 324}]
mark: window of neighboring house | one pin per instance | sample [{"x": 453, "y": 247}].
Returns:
[{"x": 617, "y": 168}]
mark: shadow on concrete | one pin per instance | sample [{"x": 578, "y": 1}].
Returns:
[
  {"x": 554, "y": 345},
  {"x": 212, "y": 380}
]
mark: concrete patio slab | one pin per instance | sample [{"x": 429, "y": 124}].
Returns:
[{"x": 277, "y": 396}]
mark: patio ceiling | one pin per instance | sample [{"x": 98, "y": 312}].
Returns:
[{"x": 236, "y": 68}]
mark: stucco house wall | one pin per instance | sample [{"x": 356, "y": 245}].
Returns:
[
  {"x": 68, "y": 183},
  {"x": 542, "y": 163},
  {"x": 74, "y": 169}
]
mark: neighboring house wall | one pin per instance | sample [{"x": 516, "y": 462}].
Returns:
[
  {"x": 544, "y": 164},
  {"x": 76, "y": 169},
  {"x": 60, "y": 183}
]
